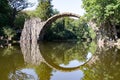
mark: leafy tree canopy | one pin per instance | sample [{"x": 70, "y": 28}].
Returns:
[
  {"x": 44, "y": 9},
  {"x": 103, "y": 10}
]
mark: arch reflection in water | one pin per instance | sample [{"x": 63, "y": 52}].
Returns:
[
  {"x": 60, "y": 55},
  {"x": 76, "y": 62},
  {"x": 57, "y": 56}
]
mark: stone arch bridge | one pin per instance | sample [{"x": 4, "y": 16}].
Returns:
[{"x": 34, "y": 29}]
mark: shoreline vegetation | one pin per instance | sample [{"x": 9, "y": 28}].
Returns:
[
  {"x": 101, "y": 22},
  {"x": 101, "y": 43}
]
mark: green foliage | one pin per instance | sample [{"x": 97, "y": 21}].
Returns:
[
  {"x": 92, "y": 47},
  {"x": 43, "y": 71},
  {"x": 32, "y": 13},
  {"x": 63, "y": 53},
  {"x": 20, "y": 19},
  {"x": 105, "y": 14},
  {"x": 105, "y": 67},
  {"x": 80, "y": 28},
  {"x": 11, "y": 60},
  {"x": 44, "y": 9},
  {"x": 16, "y": 6},
  {"x": 10, "y": 16},
  {"x": 57, "y": 31},
  {"x": 69, "y": 29},
  {"x": 92, "y": 34},
  {"x": 4, "y": 13},
  {"x": 10, "y": 33},
  {"x": 103, "y": 10}
]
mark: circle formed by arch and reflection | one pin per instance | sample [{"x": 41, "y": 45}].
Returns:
[{"x": 29, "y": 45}]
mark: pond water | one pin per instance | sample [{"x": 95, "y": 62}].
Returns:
[{"x": 59, "y": 61}]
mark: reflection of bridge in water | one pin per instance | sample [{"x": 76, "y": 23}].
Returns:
[
  {"x": 32, "y": 31},
  {"x": 32, "y": 55}
]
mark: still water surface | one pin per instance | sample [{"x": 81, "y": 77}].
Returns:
[{"x": 60, "y": 61}]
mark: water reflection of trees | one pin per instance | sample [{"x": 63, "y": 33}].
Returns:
[
  {"x": 10, "y": 60},
  {"x": 8, "y": 50},
  {"x": 106, "y": 68},
  {"x": 51, "y": 55},
  {"x": 62, "y": 53},
  {"x": 44, "y": 71}
]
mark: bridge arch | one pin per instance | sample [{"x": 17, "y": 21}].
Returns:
[
  {"x": 34, "y": 28},
  {"x": 52, "y": 19}
]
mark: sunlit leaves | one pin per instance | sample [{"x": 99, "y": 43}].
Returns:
[
  {"x": 102, "y": 9},
  {"x": 9, "y": 32},
  {"x": 44, "y": 9}
]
